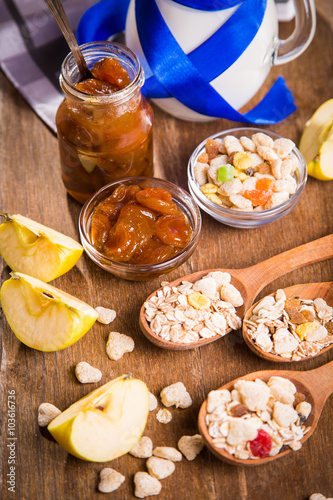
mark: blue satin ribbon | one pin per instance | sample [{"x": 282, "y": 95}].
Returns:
[
  {"x": 187, "y": 77},
  {"x": 209, "y": 5}
]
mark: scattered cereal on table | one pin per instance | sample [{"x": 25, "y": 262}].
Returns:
[
  {"x": 191, "y": 446},
  {"x": 168, "y": 453},
  {"x": 46, "y": 413},
  {"x": 118, "y": 344},
  {"x": 143, "y": 448},
  {"x": 152, "y": 402},
  {"x": 252, "y": 422},
  {"x": 110, "y": 480},
  {"x": 160, "y": 467},
  {"x": 176, "y": 395},
  {"x": 164, "y": 416},
  {"x": 87, "y": 374},
  {"x": 146, "y": 485},
  {"x": 105, "y": 316},
  {"x": 318, "y": 496}
]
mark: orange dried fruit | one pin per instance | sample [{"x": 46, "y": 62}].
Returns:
[
  {"x": 212, "y": 149},
  {"x": 110, "y": 70},
  {"x": 173, "y": 230},
  {"x": 157, "y": 199},
  {"x": 203, "y": 158}
]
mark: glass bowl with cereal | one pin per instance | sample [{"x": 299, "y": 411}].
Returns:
[{"x": 247, "y": 177}]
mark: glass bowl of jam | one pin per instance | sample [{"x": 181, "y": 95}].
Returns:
[
  {"x": 104, "y": 123},
  {"x": 247, "y": 177},
  {"x": 139, "y": 228}
]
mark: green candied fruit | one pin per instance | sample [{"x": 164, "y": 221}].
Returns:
[{"x": 225, "y": 173}]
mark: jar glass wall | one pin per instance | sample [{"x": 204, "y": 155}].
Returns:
[{"x": 103, "y": 138}]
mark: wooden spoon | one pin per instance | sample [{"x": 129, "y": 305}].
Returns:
[
  {"x": 316, "y": 385},
  {"x": 306, "y": 291},
  {"x": 249, "y": 281},
  {"x": 59, "y": 15}
]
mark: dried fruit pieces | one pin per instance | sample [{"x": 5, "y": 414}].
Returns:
[
  {"x": 108, "y": 76},
  {"x": 139, "y": 226}
]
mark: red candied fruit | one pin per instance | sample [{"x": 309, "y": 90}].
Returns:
[
  {"x": 261, "y": 445},
  {"x": 157, "y": 199}
]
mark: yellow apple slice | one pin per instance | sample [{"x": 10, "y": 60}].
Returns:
[
  {"x": 106, "y": 423},
  {"x": 42, "y": 316},
  {"x": 31, "y": 248},
  {"x": 322, "y": 166},
  {"x": 318, "y": 131}
]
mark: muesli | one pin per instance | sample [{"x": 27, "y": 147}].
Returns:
[
  {"x": 256, "y": 420},
  {"x": 247, "y": 174},
  {"x": 194, "y": 311},
  {"x": 292, "y": 328}
]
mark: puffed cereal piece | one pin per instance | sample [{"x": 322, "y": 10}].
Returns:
[
  {"x": 207, "y": 286},
  {"x": 105, "y": 316},
  {"x": 284, "y": 383},
  {"x": 208, "y": 188},
  {"x": 217, "y": 398},
  {"x": 200, "y": 173},
  {"x": 283, "y": 147},
  {"x": 247, "y": 144},
  {"x": 258, "y": 175},
  {"x": 229, "y": 293},
  {"x": 146, "y": 485},
  {"x": 289, "y": 184},
  {"x": 303, "y": 409},
  {"x": 240, "y": 202},
  {"x": 261, "y": 139},
  {"x": 225, "y": 201},
  {"x": 160, "y": 467},
  {"x": 191, "y": 446},
  {"x": 249, "y": 184},
  {"x": 163, "y": 416},
  {"x": 46, "y": 413},
  {"x": 220, "y": 278},
  {"x": 110, "y": 480},
  {"x": 256, "y": 160},
  {"x": 176, "y": 395},
  {"x": 241, "y": 430},
  {"x": 281, "y": 395},
  {"x": 277, "y": 199},
  {"x": 142, "y": 448},
  {"x": 254, "y": 396},
  {"x": 267, "y": 154},
  {"x": 228, "y": 188},
  {"x": 293, "y": 162},
  {"x": 118, "y": 344},
  {"x": 87, "y": 374},
  {"x": 152, "y": 402},
  {"x": 317, "y": 496},
  {"x": 219, "y": 161},
  {"x": 232, "y": 144},
  {"x": 276, "y": 168},
  {"x": 220, "y": 143},
  {"x": 283, "y": 414},
  {"x": 168, "y": 453}
]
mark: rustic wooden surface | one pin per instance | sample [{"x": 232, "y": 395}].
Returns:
[{"x": 30, "y": 184}]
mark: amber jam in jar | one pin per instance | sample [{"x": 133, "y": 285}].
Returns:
[{"x": 106, "y": 136}]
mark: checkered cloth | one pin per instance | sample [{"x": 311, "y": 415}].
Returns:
[{"x": 32, "y": 50}]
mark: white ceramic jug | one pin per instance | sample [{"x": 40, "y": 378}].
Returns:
[{"x": 240, "y": 82}]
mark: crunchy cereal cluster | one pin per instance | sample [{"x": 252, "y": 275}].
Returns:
[
  {"x": 194, "y": 311},
  {"x": 46, "y": 413},
  {"x": 255, "y": 420},
  {"x": 87, "y": 374},
  {"x": 247, "y": 174},
  {"x": 291, "y": 328},
  {"x": 110, "y": 480}
]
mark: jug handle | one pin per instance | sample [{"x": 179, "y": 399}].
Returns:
[{"x": 305, "y": 27}]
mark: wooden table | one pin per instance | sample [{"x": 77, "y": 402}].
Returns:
[{"x": 31, "y": 185}]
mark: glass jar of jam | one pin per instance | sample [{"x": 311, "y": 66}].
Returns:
[{"x": 106, "y": 136}]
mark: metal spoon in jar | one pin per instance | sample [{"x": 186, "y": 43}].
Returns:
[
  {"x": 249, "y": 281},
  {"x": 316, "y": 385},
  {"x": 59, "y": 15},
  {"x": 308, "y": 291}
]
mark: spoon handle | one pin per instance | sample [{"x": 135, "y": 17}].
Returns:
[
  {"x": 60, "y": 16},
  {"x": 320, "y": 380},
  {"x": 260, "y": 275}
]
